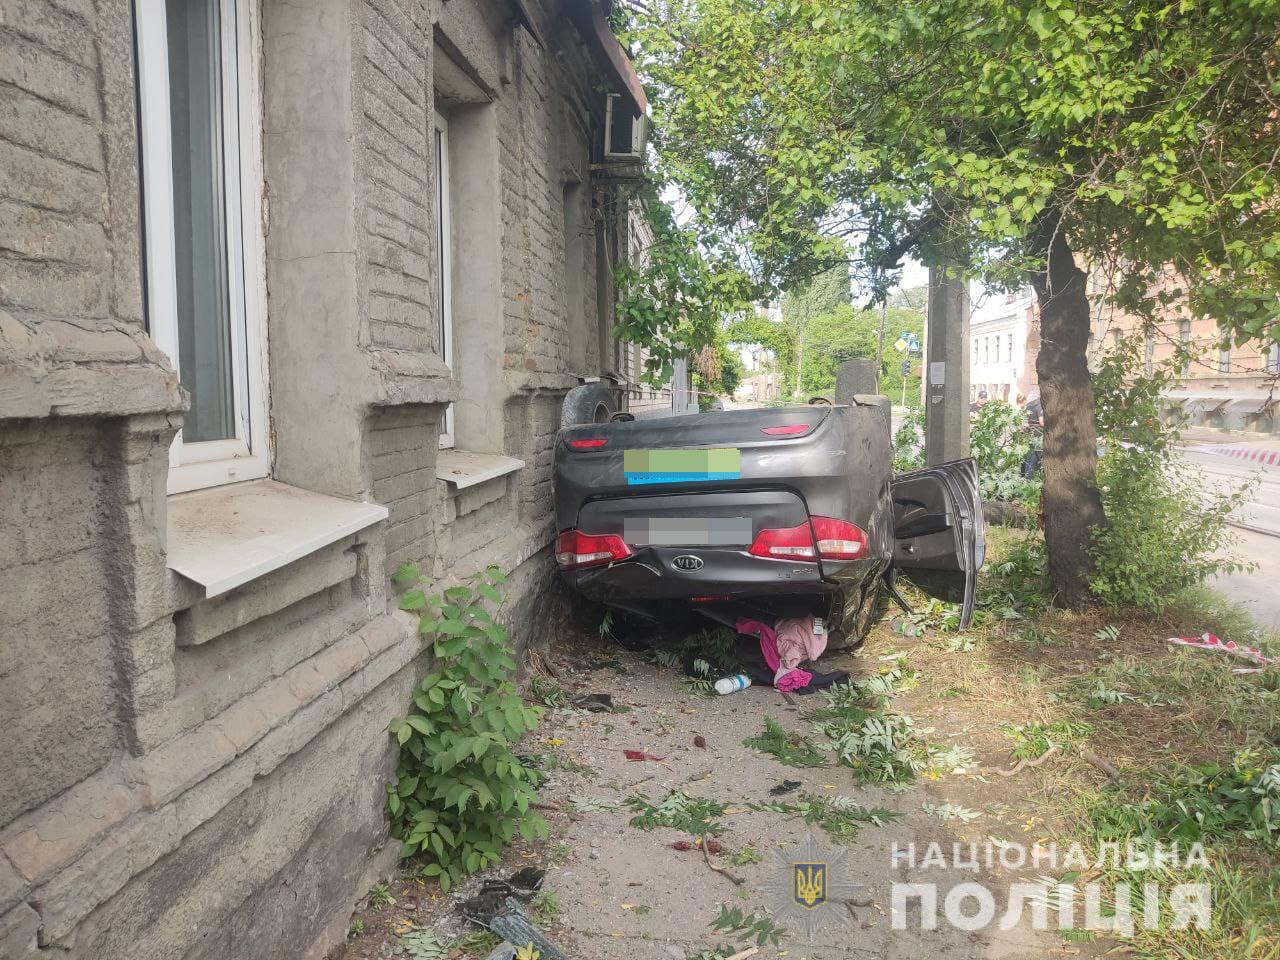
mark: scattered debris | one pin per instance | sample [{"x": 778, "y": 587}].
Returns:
[
  {"x": 514, "y": 926},
  {"x": 785, "y": 787},
  {"x": 700, "y": 742},
  {"x": 640, "y": 755},
  {"x": 1209, "y": 641},
  {"x": 595, "y": 702}
]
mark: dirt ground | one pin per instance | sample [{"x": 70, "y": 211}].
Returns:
[{"x": 623, "y": 893}]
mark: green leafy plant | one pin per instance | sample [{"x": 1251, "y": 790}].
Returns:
[
  {"x": 736, "y": 922},
  {"x": 841, "y": 817},
  {"x": 547, "y": 692},
  {"x": 356, "y": 929},
  {"x": 1165, "y": 532},
  {"x": 422, "y": 944},
  {"x": 1239, "y": 799},
  {"x": 693, "y": 815},
  {"x": 745, "y": 856},
  {"x": 380, "y": 896},
  {"x": 1103, "y": 696},
  {"x": 908, "y": 442},
  {"x": 793, "y": 749},
  {"x": 545, "y": 906},
  {"x": 1033, "y": 740},
  {"x": 999, "y": 441},
  {"x": 878, "y": 747},
  {"x": 460, "y": 791}
]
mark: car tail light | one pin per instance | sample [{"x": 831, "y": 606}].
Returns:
[
  {"x": 588, "y": 443},
  {"x": 793, "y": 543},
  {"x": 837, "y": 540},
  {"x": 787, "y": 430},
  {"x": 576, "y": 549}
]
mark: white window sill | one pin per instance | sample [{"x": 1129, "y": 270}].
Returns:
[
  {"x": 462, "y": 469},
  {"x": 224, "y": 537}
]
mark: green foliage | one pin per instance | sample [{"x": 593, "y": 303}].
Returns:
[
  {"x": 547, "y": 692},
  {"x": 908, "y": 442},
  {"x": 745, "y": 856},
  {"x": 1032, "y": 740},
  {"x": 878, "y": 747},
  {"x": 693, "y": 815},
  {"x": 1235, "y": 800},
  {"x": 797, "y": 126},
  {"x": 718, "y": 369},
  {"x": 422, "y": 944},
  {"x": 674, "y": 300},
  {"x": 840, "y": 816},
  {"x": 1165, "y": 532},
  {"x": 999, "y": 440},
  {"x": 736, "y": 922},
  {"x": 793, "y": 749},
  {"x": 461, "y": 792},
  {"x": 545, "y": 906},
  {"x": 846, "y": 333},
  {"x": 380, "y": 896}
]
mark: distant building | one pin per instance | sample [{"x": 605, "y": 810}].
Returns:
[
  {"x": 1224, "y": 386},
  {"x": 1004, "y": 339}
]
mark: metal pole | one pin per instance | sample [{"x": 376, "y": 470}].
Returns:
[{"x": 946, "y": 371}]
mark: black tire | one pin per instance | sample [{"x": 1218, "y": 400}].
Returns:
[{"x": 588, "y": 403}]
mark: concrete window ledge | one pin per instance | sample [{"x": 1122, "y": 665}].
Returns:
[
  {"x": 462, "y": 469},
  {"x": 224, "y": 537}
]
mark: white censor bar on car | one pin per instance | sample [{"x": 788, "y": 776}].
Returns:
[{"x": 687, "y": 531}]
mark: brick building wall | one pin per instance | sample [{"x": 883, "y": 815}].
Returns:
[
  {"x": 196, "y": 751},
  {"x": 1225, "y": 385}
]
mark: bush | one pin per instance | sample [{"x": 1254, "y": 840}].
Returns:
[
  {"x": 999, "y": 441},
  {"x": 908, "y": 442},
  {"x": 1164, "y": 531},
  {"x": 460, "y": 790}
]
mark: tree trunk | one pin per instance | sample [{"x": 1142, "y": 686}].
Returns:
[{"x": 1072, "y": 505}]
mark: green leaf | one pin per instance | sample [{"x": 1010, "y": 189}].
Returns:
[
  {"x": 413, "y": 600},
  {"x": 406, "y": 574}
]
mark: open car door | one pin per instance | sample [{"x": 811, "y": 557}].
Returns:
[{"x": 939, "y": 532}]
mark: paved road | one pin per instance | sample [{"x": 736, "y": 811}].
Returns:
[{"x": 1257, "y": 521}]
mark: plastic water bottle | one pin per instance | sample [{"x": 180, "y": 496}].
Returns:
[{"x": 732, "y": 684}]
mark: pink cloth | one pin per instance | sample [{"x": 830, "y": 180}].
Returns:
[
  {"x": 800, "y": 644},
  {"x": 797, "y": 642},
  {"x": 768, "y": 639},
  {"x": 792, "y": 680}
]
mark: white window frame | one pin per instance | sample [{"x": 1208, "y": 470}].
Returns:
[
  {"x": 246, "y": 456},
  {"x": 444, "y": 243}
]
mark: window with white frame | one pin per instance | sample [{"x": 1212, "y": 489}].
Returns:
[
  {"x": 444, "y": 261},
  {"x": 201, "y": 189}
]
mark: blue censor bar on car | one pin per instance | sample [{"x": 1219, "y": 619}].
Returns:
[{"x": 681, "y": 466}]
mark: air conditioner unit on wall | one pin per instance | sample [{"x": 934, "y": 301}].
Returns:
[{"x": 624, "y": 131}]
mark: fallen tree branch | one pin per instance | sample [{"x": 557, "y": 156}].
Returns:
[
  {"x": 1105, "y": 766},
  {"x": 735, "y": 880},
  {"x": 1022, "y": 764}
]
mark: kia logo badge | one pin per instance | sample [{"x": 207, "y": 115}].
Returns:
[{"x": 687, "y": 561}]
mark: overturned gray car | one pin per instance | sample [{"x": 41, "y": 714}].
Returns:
[{"x": 770, "y": 512}]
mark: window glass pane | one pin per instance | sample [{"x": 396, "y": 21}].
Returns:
[{"x": 200, "y": 234}]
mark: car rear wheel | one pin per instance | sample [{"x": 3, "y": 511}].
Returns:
[{"x": 588, "y": 403}]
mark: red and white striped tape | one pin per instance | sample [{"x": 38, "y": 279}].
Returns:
[{"x": 1253, "y": 454}]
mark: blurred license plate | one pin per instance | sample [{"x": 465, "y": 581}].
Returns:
[
  {"x": 686, "y": 531},
  {"x": 700, "y": 465}
]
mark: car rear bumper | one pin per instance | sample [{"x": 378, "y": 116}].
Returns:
[{"x": 725, "y": 572}]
